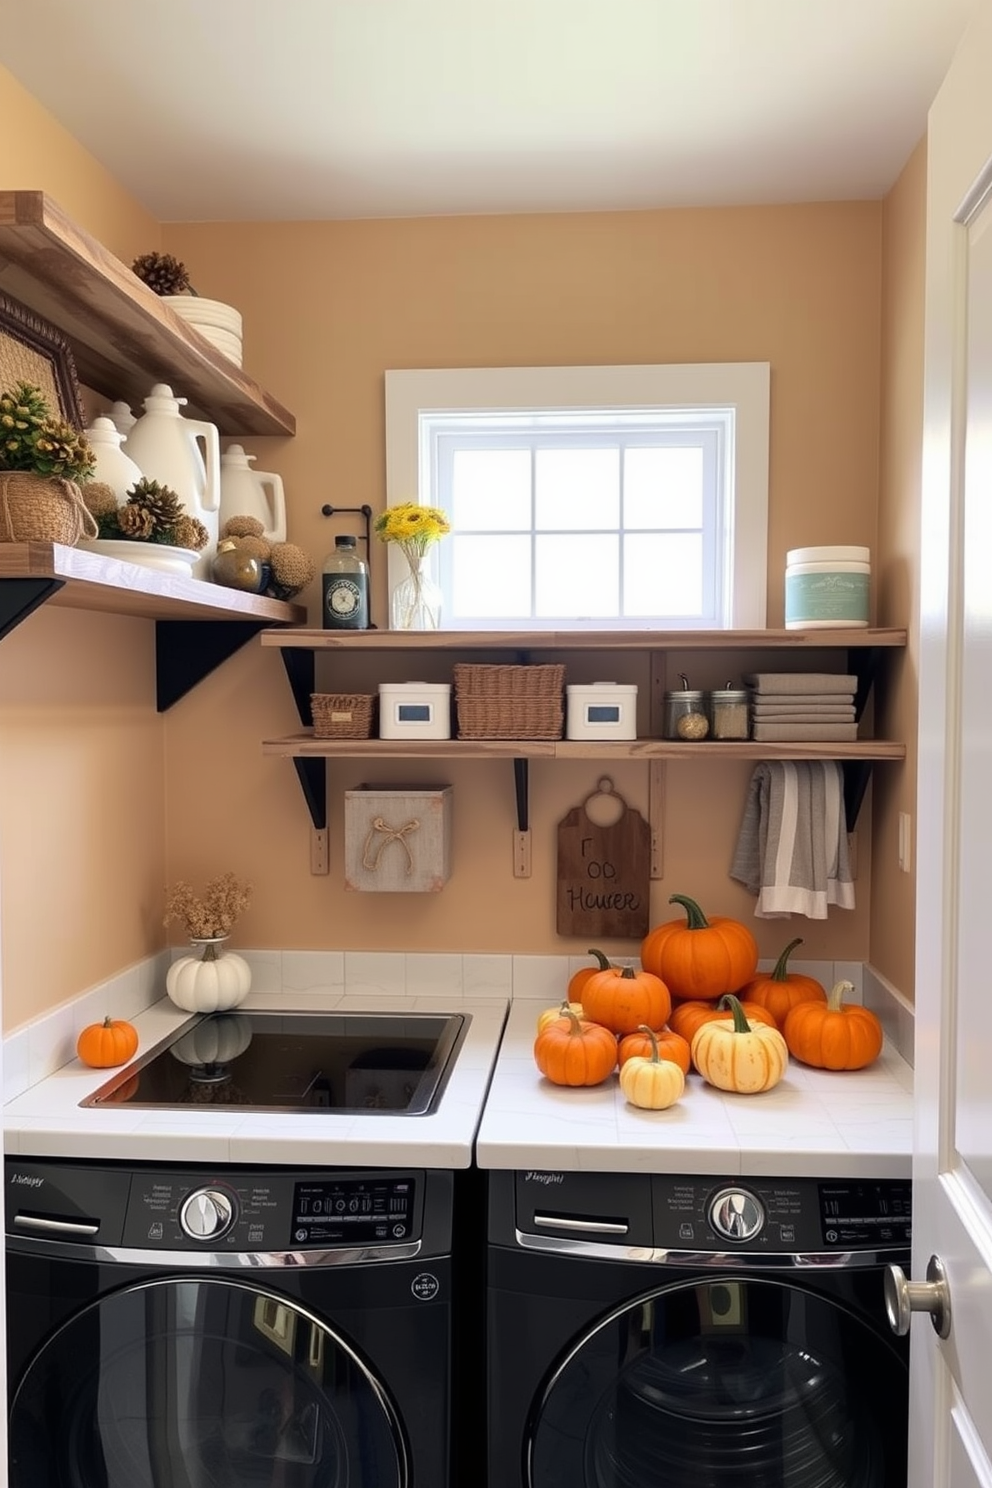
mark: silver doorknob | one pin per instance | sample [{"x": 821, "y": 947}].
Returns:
[{"x": 904, "y": 1297}]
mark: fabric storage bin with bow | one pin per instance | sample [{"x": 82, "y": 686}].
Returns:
[{"x": 397, "y": 839}]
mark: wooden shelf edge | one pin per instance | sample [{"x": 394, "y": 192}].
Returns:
[
  {"x": 123, "y": 336},
  {"x": 91, "y": 581},
  {"x": 574, "y": 640},
  {"x": 302, "y": 746}
]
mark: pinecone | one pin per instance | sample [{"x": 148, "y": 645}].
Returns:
[
  {"x": 135, "y": 523},
  {"x": 60, "y": 450},
  {"x": 163, "y": 274},
  {"x": 189, "y": 532},
  {"x": 161, "y": 504}
]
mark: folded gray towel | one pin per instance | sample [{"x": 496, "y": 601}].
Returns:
[
  {"x": 804, "y": 714},
  {"x": 790, "y": 682},
  {"x": 802, "y": 699},
  {"x": 796, "y": 733}
]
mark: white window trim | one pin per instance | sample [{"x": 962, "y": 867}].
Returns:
[{"x": 744, "y": 386}]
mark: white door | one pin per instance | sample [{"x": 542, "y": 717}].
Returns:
[{"x": 951, "y": 1380}]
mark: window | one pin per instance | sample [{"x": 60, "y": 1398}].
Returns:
[{"x": 589, "y": 498}]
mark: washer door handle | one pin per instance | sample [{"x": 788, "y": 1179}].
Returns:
[
  {"x": 55, "y": 1226},
  {"x": 582, "y": 1226},
  {"x": 904, "y": 1297}
]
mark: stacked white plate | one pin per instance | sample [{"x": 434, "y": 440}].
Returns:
[{"x": 220, "y": 324}]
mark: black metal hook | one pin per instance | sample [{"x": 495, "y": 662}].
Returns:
[{"x": 362, "y": 511}]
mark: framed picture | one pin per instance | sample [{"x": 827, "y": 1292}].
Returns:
[{"x": 31, "y": 350}]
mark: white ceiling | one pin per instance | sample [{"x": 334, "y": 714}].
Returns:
[{"x": 307, "y": 109}]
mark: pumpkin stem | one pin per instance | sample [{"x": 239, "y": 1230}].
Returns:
[
  {"x": 643, "y": 1028},
  {"x": 835, "y": 997},
  {"x": 575, "y": 1024},
  {"x": 108, "y": 1022},
  {"x": 604, "y": 963},
  {"x": 627, "y": 973},
  {"x": 780, "y": 974},
  {"x": 696, "y": 919},
  {"x": 741, "y": 1025}
]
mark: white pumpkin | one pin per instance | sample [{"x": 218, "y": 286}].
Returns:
[
  {"x": 209, "y": 984},
  {"x": 215, "y": 1041}
]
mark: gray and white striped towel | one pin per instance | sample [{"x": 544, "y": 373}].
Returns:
[{"x": 792, "y": 847}]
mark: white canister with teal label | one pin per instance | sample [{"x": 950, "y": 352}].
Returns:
[{"x": 827, "y": 588}]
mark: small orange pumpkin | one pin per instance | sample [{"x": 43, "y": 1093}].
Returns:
[
  {"x": 650, "y": 1082},
  {"x": 102, "y": 1045},
  {"x": 621, "y": 999},
  {"x": 700, "y": 958},
  {"x": 579, "y": 978},
  {"x": 571, "y": 1052},
  {"x": 688, "y": 1017},
  {"x": 780, "y": 990},
  {"x": 660, "y": 1043},
  {"x": 834, "y": 1035}
]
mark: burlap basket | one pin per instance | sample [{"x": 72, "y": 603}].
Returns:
[
  {"x": 509, "y": 702},
  {"x": 42, "y": 508},
  {"x": 342, "y": 715}
]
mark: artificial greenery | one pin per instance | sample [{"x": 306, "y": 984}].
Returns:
[{"x": 35, "y": 440}]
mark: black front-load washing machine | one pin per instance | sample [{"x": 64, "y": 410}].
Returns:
[
  {"x": 659, "y": 1331},
  {"x": 194, "y": 1327}
]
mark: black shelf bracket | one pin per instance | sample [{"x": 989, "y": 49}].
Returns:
[
  {"x": 312, "y": 775},
  {"x": 857, "y": 774},
  {"x": 301, "y": 670},
  {"x": 864, "y": 663},
  {"x": 520, "y": 783},
  {"x": 186, "y": 651},
  {"x": 19, "y": 598}
]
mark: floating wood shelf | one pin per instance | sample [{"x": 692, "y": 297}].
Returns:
[
  {"x": 305, "y": 746},
  {"x": 586, "y": 640},
  {"x": 198, "y": 624},
  {"x": 123, "y": 336}
]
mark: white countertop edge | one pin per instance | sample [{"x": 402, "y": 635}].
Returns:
[{"x": 47, "y": 1120}]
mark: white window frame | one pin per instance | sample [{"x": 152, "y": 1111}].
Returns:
[{"x": 414, "y": 397}]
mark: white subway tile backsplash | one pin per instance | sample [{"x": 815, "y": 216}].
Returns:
[
  {"x": 487, "y": 976},
  {"x": 540, "y": 976},
  {"x": 374, "y": 973},
  {"x": 312, "y": 971},
  {"x": 434, "y": 974}
]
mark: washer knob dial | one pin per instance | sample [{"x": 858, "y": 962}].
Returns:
[
  {"x": 736, "y": 1214},
  {"x": 206, "y": 1213}
]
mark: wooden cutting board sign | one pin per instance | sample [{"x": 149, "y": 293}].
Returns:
[{"x": 604, "y": 872}]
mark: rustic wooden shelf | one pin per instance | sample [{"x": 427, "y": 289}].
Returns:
[
  {"x": 198, "y": 625},
  {"x": 123, "y": 336},
  {"x": 305, "y": 746},
  {"x": 585, "y": 640}
]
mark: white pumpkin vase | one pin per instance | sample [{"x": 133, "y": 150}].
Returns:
[{"x": 211, "y": 982}]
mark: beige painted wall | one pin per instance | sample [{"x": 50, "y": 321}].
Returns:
[
  {"x": 81, "y": 746},
  {"x": 328, "y": 308},
  {"x": 101, "y": 801},
  {"x": 893, "y": 908}
]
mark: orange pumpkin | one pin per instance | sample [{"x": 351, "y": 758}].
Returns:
[
  {"x": 667, "y": 1045},
  {"x": 102, "y": 1045},
  {"x": 780, "y": 990},
  {"x": 571, "y": 1052},
  {"x": 700, "y": 958},
  {"x": 834, "y": 1035},
  {"x": 579, "y": 978},
  {"x": 688, "y": 1017},
  {"x": 621, "y": 999}
]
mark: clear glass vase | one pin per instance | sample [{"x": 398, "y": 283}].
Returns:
[{"x": 415, "y": 603}]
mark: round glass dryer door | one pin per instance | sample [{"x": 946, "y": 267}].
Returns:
[
  {"x": 201, "y": 1384},
  {"x": 724, "y": 1383}
]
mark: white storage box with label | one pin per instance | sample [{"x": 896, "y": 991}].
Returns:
[
  {"x": 601, "y": 710},
  {"x": 415, "y": 710},
  {"x": 397, "y": 839}
]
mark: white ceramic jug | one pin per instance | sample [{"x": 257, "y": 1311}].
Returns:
[
  {"x": 122, "y": 418},
  {"x": 113, "y": 466},
  {"x": 251, "y": 493},
  {"x": 166, "y": 446}
]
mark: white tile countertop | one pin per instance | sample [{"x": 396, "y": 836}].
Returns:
[
  {"x": 814, "y": 1123},
  {"x": 46, "y": 1120}
]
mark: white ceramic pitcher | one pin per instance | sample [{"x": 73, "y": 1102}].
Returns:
[
  {"x": 116, "y": 469},
  {"x": 167, "y": 448},
  {"x": 251, "y": 493}
]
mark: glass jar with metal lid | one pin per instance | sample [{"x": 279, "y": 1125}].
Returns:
[
  {"x": 729, "y": 713},
  {"x": 686, "y": 713}
]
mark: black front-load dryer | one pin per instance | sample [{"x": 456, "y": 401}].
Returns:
[
  {"x": 228, "y": 1328},
  {"x": 660, "y": 1331}
]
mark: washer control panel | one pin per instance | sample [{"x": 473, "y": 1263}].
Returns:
[
  {"x": 767, "y": 1216},
  {"x": 275, "y": 1211}
]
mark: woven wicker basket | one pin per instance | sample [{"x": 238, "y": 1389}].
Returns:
[
  {"x": 509, "y": 702},
  {"x": 342, "y": 715},
  {"x": 42, "y": 508}
]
